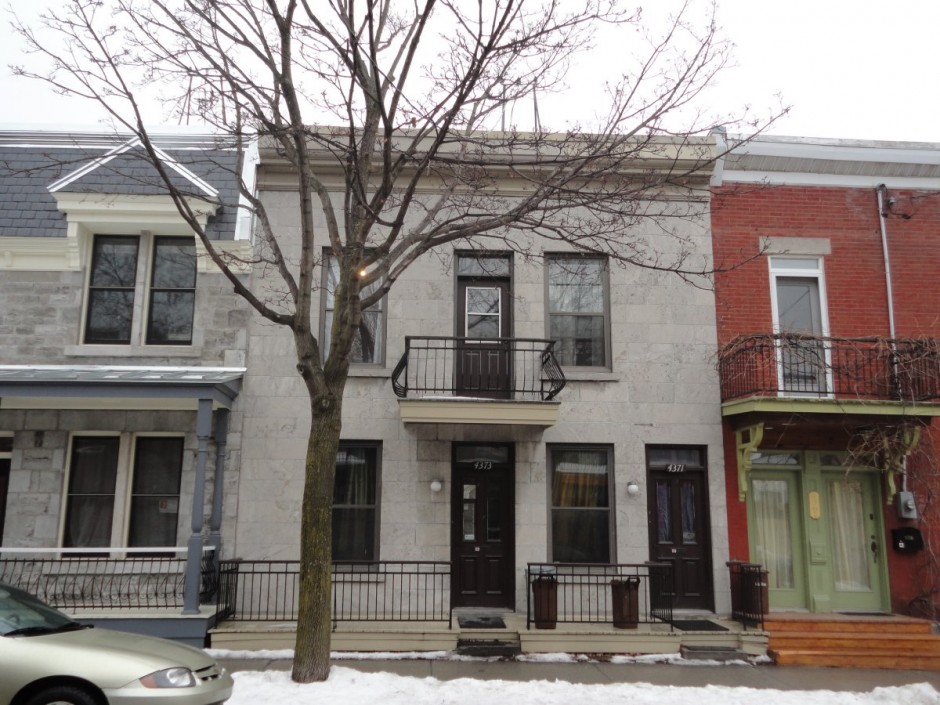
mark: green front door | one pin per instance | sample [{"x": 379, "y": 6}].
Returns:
[{"x": 817, "y": 528}]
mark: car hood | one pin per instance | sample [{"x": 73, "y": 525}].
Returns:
[{"x": 120, "y": 655}]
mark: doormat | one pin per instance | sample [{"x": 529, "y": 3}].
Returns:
[
  {"x": 481, "y": 622},
  {"x": 698, "y": 625}
]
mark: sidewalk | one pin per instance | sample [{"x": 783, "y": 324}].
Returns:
[{"x": 682, "y": 675}]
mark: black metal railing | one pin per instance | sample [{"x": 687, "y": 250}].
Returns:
[
  {"x": 597, "y": 593},
  {"x": 749, "y": 593},
  {"x": 382, "y": 591},
  {"x": 500, "y": 368},
  {"x": 102, "y": 578},
  {"x": 844, "y": 368}
]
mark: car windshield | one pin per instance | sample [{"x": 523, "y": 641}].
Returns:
[{"x": 21, "y": 613}]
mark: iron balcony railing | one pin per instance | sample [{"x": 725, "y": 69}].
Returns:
[
  {"x": 623, "y": 594},
  {"x": 875, "y": 369},
  {"x": 499, "y": 368},
  {"x": 382, "y": 591},
  {"x": 103, "y": 578},
  {"x": 750, "y": 596}
]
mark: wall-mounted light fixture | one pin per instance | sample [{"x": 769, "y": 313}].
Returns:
[
  {"x": 633, "y": 489},
  {"x": 437, "y": 485}
]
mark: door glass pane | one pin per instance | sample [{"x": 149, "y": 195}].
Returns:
[
  {"x": 687, "y": 500},
  {"x": 469, "y": 512},
  {"x": 664, "y": 511},
  {"x": 774, "y": 546},
  {"x": 483, "y": 312},
  {"x": 850, "y": 543}
]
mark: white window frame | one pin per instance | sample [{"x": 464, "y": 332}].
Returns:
[
  {"x": 123, "y": 485},
  {"x": 143, "y": 283},
  {"x": 800, "y": 267}
]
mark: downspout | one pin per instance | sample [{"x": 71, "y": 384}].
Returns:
[
  {"x": 883, "y": 219},
  {"x": 889, "y": 285}
]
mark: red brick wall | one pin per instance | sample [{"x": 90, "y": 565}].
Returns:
[{"x": 857, "y": 305}]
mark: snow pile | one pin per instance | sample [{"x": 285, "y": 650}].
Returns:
[{"x": 346, "y": 685}]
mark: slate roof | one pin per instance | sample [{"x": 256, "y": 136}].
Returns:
[{"x": 32, "y": 162}]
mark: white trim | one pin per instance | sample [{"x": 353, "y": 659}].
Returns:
[
  {"x": 813, "y": 270},
  {"x": 40, "y": 254},
  {"x": 873, "y": 152},
  {"x": 793, "y": 178},
  {"x": 94, "y": 164}
]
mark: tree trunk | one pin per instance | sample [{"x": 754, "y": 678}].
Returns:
[{"x": 312, "y": 649}]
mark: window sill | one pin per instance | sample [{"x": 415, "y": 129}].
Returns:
[
  {"x": 132, "y": 351},
  {"x": 590, "y": 376},
  {"x": 368, "y": 371}
]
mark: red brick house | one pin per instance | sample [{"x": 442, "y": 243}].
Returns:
[{"x": 829, "y": 356}]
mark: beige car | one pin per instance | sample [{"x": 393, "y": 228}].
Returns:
[{"x": 48, "y": 659}]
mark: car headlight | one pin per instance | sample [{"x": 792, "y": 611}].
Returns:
[{"x": 170, "y": 678}]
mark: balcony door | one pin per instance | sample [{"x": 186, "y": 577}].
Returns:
[
  {"x": 799, "y": 318},
  {"x": 484, "y": 304},
  {"x": 483, "y": 533}
]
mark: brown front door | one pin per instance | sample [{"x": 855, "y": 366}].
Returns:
[
  {"x": 678, "y": 521},
  {"x": 484, "y": 358},
  {"x": 482, "y": 533}
]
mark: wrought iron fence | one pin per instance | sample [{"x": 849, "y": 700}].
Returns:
[
  {"x": 102, "y": 578},
  {"x": 845, "y": 368},
  {"x": 749, "y": 593},
  {"x": 387, "y": 591},
  {"x": 502, "y": 368},
  {"x": 596, "y": 593}
]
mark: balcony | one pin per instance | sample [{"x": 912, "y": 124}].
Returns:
[
  {"x": 810, "y": 373},
  {"x": 495, "y": 381}
]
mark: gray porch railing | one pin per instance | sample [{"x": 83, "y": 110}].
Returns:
[
  {"x": 386, "y": 591},
  {"x": 594, "y": 593},
  {"x": 103, "y": 578},
  {"x": 506, "y": 368},
  {"x": 749, "y": 593}
]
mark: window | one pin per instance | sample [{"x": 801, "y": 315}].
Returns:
[
  {"x": 580, "y": 487},
  {"x": 96, "y": 515},
  {"x": 799, "y": 320},
  {"x": 368, "y": 343},
  {"x": 116, "y": 278},
  {"x": 577, "y": 310},
  {"x": 355, "y": 522}
]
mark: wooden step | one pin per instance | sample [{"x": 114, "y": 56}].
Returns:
[
  {"x": 856, "y": 641},
  {"x": 884, "y": 660},
  {"x": 878, "y": 625},
  {"x": 927, "y": 644}
]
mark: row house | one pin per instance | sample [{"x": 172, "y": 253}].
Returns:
[
  {"x": 515, "y": 416},
  {"x": 828, "y": 354},
  {"x": 121, "y": 356}
]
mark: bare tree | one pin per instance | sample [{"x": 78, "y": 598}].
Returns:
[{"x": 417, "y": 93}]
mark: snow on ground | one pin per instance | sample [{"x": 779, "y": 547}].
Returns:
[{"x": 346, "y": 685}]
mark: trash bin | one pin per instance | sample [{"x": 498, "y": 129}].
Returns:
[
  {"x": 545, "y": 598},
  {"x": 756, "y": 591},
  {"x": 625, "y": 596}
]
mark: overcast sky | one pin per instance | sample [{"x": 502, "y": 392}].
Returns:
[{"x": 856, "y": 69}]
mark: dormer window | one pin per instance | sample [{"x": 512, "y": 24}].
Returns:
[{"x": 130, "y": 300}]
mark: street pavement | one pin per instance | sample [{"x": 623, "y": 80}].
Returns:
[{"x": 687, "y": 675}]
